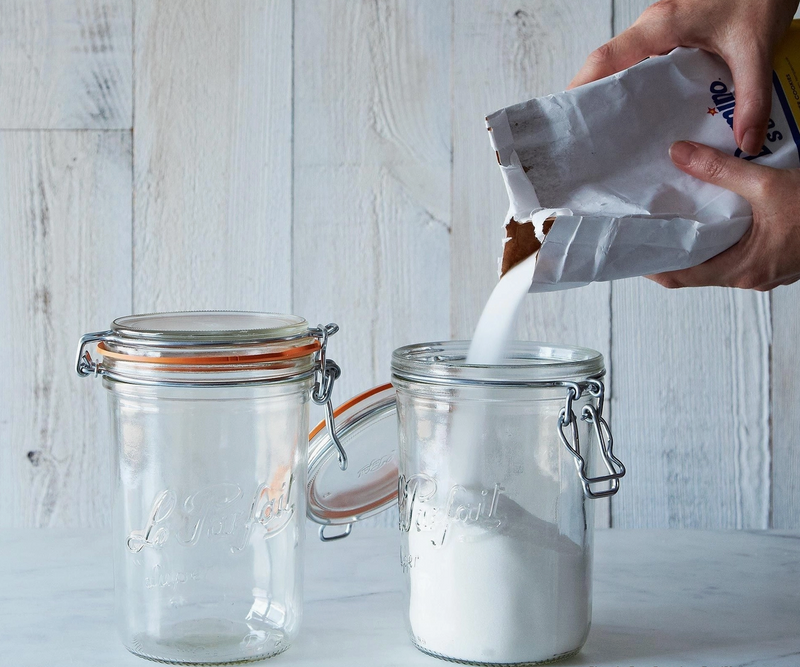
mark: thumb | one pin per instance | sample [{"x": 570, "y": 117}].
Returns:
[
  {"x": 752, "y": 80},
  {"x": 745, "y": 178}
]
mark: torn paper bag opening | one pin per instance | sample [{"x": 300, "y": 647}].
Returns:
[{"x": 590, "y": 180}]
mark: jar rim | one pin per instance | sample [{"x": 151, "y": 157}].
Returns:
[{"x": 527, "y": 362}]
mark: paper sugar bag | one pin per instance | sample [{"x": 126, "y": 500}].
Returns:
[{"x": 589, "y": 176}]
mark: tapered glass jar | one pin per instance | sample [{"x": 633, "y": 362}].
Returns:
[{"x": 209, "y": 415}]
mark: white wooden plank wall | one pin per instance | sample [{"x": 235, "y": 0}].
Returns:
[
  {"x": 65, "y": 251},
  {"x": 329, "y": 158},
  {"x": 212, "y": 155},
  {"x": 65, "y": 64},
  {"x": 65, "y": 224}
]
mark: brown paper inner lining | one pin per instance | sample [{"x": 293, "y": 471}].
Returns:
[{"x": 521, "y": 243}]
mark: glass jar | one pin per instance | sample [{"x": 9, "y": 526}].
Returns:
[
  {"x": 209, "y": 415},
  {"x": 496, "y": 528}
]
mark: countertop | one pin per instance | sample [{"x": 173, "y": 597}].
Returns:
[{"x": 662, "y": 598}]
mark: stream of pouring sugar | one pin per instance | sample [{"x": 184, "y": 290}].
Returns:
[
  {"x": 490, "y": 341},
  {"x": 489, "y": 346}
]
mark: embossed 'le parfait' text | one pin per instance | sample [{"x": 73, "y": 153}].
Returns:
[
  {"x": 218, "y": 512},
  {"x": 416, "y": 497}
]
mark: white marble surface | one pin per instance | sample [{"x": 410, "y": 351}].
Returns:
[{"x": 661, "y": 599}]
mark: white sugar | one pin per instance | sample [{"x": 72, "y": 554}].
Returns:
[{"x": 499, "y": 598}]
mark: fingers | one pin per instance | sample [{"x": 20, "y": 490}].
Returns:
[
  {"x": 723, "y": 270},
  {"x": 717, "y": 271},
  {"x": 638, "y": 42},
  {"x": 752, "y": 80},
  {"x": 710, "y": 277},
  {"x": 746, "y": 179},
  {"x": 759, "y": 260}
]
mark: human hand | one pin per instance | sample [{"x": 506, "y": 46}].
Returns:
[
  {"x": 768, "y": 255},
  {"x": 744, "y": 33}
]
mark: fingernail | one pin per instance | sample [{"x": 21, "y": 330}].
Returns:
[
  {"x": 681, "y": 152},
  {"x": 751, "y": 143}
]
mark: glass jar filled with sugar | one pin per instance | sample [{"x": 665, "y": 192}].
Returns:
[{"x": 495, "y": 498}]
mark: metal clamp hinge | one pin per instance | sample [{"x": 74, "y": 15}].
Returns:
[
  {"x": 326, "y": 374},
  {"x": 594, "y": 417},
  {"x": 84, "y": 364}
]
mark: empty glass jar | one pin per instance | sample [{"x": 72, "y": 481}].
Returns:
[
  {"x": 495, "y": 466},
  {"x": 209, "y": 416}
]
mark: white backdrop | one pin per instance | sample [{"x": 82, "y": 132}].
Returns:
[{"x": 329, "y": 158}]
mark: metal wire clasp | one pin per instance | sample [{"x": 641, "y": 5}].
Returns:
[
  {"x": 594, "y": 417},
  {"x": 84, "y": 364},
  {"x": 327, "y": 372}
]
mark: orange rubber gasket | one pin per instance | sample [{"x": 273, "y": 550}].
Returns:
[
  {"x": 349, "y": 404},
  {"x": 343, "y": 514},
  {"x": 288, "y": 353}
]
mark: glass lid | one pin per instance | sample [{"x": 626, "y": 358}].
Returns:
[
  {"x": 221, "y": 325},
  {"x": 209, "y": 338},
  {"x": 367, "y": 428}
]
